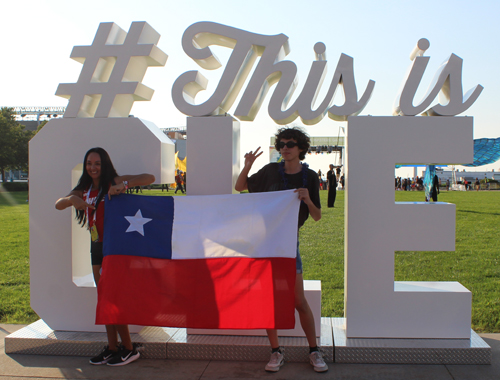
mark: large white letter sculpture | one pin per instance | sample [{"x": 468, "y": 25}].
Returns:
[
  {"x": 205, "y": 131},
  {"x": 113, "y": 68},
  {"x": 114, "y": 65},
  {"x": 213, "y": 149},
  {"x": 62, "y": 291},
  {"x": 271, "y": 69},
  {"x": 375, "y": 305},
  {"x": 447, "y": 83}
]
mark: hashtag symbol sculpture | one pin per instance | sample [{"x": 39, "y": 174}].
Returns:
[{"x": 113, "y": 68}]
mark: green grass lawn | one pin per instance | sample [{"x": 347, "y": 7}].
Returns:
[
  {"x": 14, "y": 263},
  {"x": 474, "y": 263}
]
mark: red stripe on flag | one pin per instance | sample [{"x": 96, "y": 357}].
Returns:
[{"x": 224, "y": 293}]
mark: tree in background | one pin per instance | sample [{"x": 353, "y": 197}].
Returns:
[
  {"x": 14, "y": 139},
  {"x": 39, "y": 128},
  {"x": 22, "y": 139},
  {"x": 7, "y": 138}
]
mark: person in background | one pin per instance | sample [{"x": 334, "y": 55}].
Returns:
[
  {"x": 435, "y": 188},
  {"x": 178, "y": 182},
  {"x": 332, "y": 186}
]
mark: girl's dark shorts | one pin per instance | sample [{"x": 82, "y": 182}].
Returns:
[{"x": 96, "y": 253}]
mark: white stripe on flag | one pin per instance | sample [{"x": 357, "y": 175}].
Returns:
[{"x": 252, "y": 225}]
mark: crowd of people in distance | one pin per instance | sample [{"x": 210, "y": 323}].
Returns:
[
  {"x": 324, "y": 181},
  {"x": 409, "y": 184},
  {"x": 477, "y": 184},
  {"x": 417, "y": 184}
]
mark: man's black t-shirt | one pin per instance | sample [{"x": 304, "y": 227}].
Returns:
[{"x": 269, "y": 179}]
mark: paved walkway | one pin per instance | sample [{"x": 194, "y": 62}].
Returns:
[{"x": 69, "y": 367}]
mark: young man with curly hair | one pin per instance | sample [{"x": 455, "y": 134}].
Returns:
[{"x": 290, "y": 173}]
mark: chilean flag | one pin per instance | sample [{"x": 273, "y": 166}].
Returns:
[{"x": 215, "y": 262}]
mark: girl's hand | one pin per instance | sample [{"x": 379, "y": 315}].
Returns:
[
  {"x": 116, "y": 189},
  {"x": 80, "y": 204}
]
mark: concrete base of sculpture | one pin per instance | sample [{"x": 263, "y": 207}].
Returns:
[
  {"x": 174, "y": 343},
  {"x": 164, "y": 343},
  {"x": 408, "y": 351},
  {"x": 312, "y": 291}
]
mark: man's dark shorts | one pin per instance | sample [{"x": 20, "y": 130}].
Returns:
[{"x": 298, "y": 260}]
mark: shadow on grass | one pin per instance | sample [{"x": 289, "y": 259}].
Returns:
[{"x": 479, "y": 212}]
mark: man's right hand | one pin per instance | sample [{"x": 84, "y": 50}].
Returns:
[{"x": 250, "y": 157}]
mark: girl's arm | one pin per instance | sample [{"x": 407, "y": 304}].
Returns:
[
  {"x": 75, "y": 198},
  {"x": 132, "y": 181}
]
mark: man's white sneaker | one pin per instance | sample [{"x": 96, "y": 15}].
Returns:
[
  {"x": 316, "y": 360},
  {"x": 277, "y": 360}
]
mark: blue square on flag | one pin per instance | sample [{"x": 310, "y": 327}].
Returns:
[{"x": 138, "y": 226}]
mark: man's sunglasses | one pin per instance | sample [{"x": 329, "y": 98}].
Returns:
[{"x": 289, "y": 144}]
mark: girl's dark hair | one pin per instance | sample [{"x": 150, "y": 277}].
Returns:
[
  {"x": 296, "y": 134},
  {"x": 108, "y": 174}
]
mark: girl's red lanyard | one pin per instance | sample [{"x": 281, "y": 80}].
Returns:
[{"x": 93, "y": 229}]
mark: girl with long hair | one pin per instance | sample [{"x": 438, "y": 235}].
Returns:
[{"x": 98, "y": 179}]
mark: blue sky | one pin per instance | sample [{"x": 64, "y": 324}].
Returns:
[{"x": 378, "y": 35}]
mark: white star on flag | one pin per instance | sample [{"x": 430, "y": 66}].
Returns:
[{"x": 137, "y": 222}]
